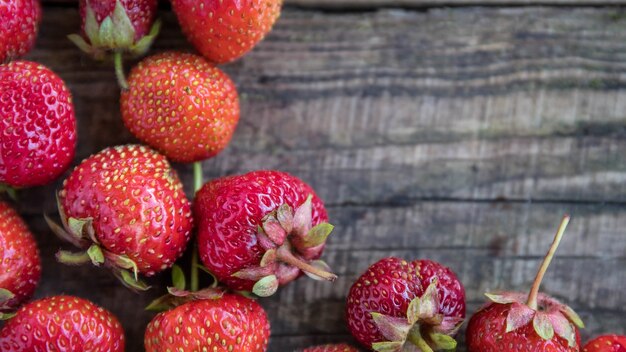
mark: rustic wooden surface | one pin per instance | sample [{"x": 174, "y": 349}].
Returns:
[{"x": 460, "y": 135}]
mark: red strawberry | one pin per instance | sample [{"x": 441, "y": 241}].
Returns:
[
  {"x": 223, "y": 31},
  {"x": 514, "y": 322},
  {"x": 62, "y": 323},
  {"x": 181, "y": 105},
  {"x": 606, "y": 343},
  {"x": 116, "y": 25},
  {"x": 38, "y": 127},
  {"x": 227, "y": 323},
  {"x": 331, "y": 348},
  {"x": 126, "y": 207},
  {"x": 250, "y": 237},
  {"x": 20, "y": 268},
  {"x": 400, "y": 306},
  {"x": 19, "y": 22}
]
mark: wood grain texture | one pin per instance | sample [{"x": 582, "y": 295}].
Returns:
[
  {"x": 373, "y": 4},
  {"x": 460, "y": 135}
]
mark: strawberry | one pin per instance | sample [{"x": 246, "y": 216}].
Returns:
[
  {"x": 406, "y": 306},
  {"x": 38, "y": 126},
  {"x": 19, "y": 23},
  {"x": 223, "y": 323},
  {"x": 20, "y": 268},
  {"x": 181, "y": 105},
  {"x": 126, "y": 207},
  {"x": 250, "y": 237},
  {"x": 116, "y": 26},
  {"x": 225, "y": 30},
  {"x": 331, "y": 348},
  {"x": 514, "y": 321},
  {"x": 62, "y": 323},
  {"x": 606, "y": 343}
]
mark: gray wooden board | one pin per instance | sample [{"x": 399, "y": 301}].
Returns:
[
  {"x": 372, "y": 4},
  {"x": 460, "y": 135}
]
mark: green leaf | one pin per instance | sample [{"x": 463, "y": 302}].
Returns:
[
  {"x": 160, "y": 304},
  {"x": 71, "y": 258},
  {"x": 61, "y": 233},
  {"x": 413, "y": 312},
  {"x": 178, "y": 277},
  {"x": 142, "y": 46},
  {"x": 5, "y": 295},
  {"x": 443, "y": 342},
  {"x": 6, "y": 316},
  {"x": 388, "y": 346},
  {"x": 268, "y": 258},
  {"x": 543, "y": 326},
  {"x": 123, "y": 31},
  {"x": 519, "y": 315},
  {"x": 91, "y": 27},
  {"x": 95, "y": 254},
  {"x": 392, "y": 328},
  {"x": 266, "y": 287},
  {"x": 77, "y": 227},
  {"x": 303, "y": 217},
  {"x": 572, "y": 316},
  {"x": 129, "y": 281},
  {"x": 80, "y": 43},
  {"x": 284, "y": 214},
  {"x": 318, "y": 234}
]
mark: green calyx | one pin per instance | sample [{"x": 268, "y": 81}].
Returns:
[
  {"x": 81, "y": 233},
  {"x": 291, "y": 243},
  {"x": 115, "y": 33},
  {"x": 5, "y": 297},
  {"x": 10, "y": 191},
  {"x": 423, "y": 329},
  {"x": 548, "y": 316},
  {"x": 177, "y": 294}
]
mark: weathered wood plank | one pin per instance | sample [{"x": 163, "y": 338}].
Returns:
[
  {"x": 372, "y": 4},
  {"x": 490, "y": 245},
  {"x": 524, "y": 104},
  {"x": 411, "y": 125}
]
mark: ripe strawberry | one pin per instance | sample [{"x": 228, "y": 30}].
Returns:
[
  {"x": 20, "y": 268},
  {"x": 38, "y": 127},
  {"x": 126, "y": 207},
  {"x": 116, "y": 25},
  {"x": 331, "y": 348},
  {"x": 181, "y": 105},
  {"x": 606, "y": 343},
  {"x": 62, "y": 323},
  {"x": 225, "y": 323},
  {"x": 250, "y": 237},
  {"x": 406, "y": 306},
  {"x": 514, "y": 322},
  {"x": 223, "y": 31},
  {"x": 19, "y": 22}
]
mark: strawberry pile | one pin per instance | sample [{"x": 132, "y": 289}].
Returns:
[{"x": 124, "y": 209}]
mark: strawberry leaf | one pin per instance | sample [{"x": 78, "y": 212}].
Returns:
[
  {"x": 268, "y": 258},
  {"x": 303, "y": 217},
  {"x": 443, "y": 342},
  {"x": 388, "y": 346},
  {"x": 5, "y": 295},
  {"x": 392, "y": 328},
  {"x": 519, "y": 316},
  {"x": 95, "y": 254},
  {"x": 6, "y": 316},
  {"x": 284, "y": 214},
  {"x": 266, "y": 287},
  {"x": 543, "y": 326},
  {"x": 572, "y": 316},
  {"x": 178, "y": 277},
  {"x": 319, "y": 264},
  {"x": 563, "y": 327},
  {"x": 318, "y": 234},
  {"x": 274, "y": 230}
]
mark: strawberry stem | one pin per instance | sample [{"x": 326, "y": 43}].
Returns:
[
  {"x": 284, "y": 254},
  {"x": 197, "y": 184},
  {"x": 534, "y": 291},
  {"x": 416, "y": 338},
  {"x": 119, "y": 70}
]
